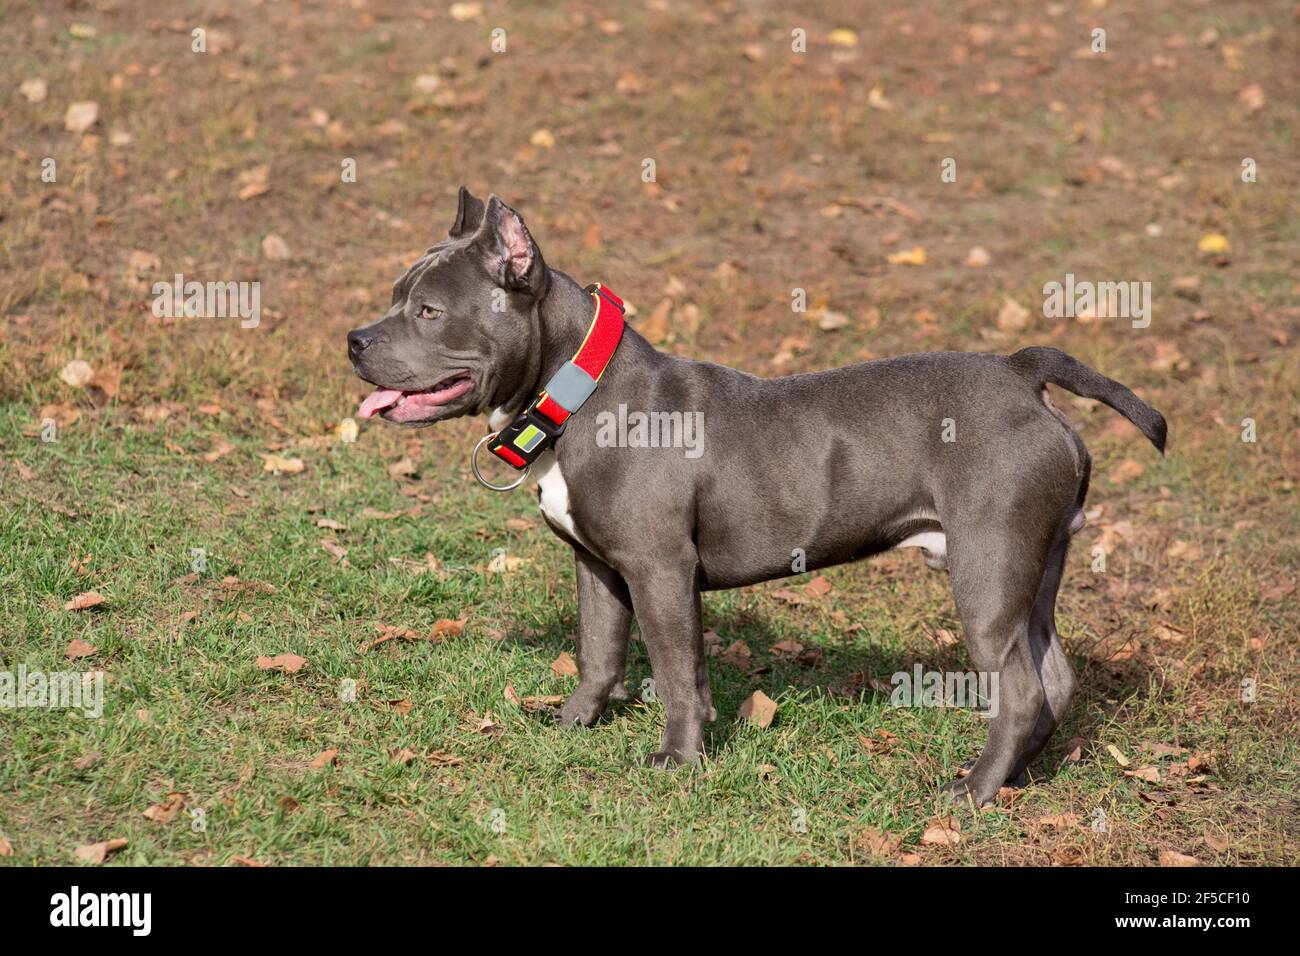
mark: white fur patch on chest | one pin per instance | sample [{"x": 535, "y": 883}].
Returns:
[{"x": 554, "y": 500}]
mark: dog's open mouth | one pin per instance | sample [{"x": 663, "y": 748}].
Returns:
[{"x": 399, "y": 406}]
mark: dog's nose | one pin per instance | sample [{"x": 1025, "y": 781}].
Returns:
[{"x": 358, "y": 341}]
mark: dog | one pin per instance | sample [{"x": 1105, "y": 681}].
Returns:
[{"x": 960, "y": 454}]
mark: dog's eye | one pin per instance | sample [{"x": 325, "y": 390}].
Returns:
[{"x": 430, "y": 312}]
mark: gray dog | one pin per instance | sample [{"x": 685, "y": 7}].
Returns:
[{"x": 959, "y": 454}]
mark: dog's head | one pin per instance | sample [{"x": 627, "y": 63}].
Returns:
[{"x": 462, "y": 323}]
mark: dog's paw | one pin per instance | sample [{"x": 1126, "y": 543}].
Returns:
[
  {"x": 965, "y": 791},
  {"x": 666, "y": 759},
  {"x": 579, "y": 711}
]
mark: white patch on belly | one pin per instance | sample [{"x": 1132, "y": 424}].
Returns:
[
  {"x": 554, "y": 501},
  {"x": 934, "y": 544},
  {"x": 499, "y": 418}
]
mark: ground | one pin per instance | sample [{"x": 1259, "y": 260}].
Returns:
[{"x": 774, "y": 171}]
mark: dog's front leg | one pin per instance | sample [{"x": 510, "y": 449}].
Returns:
[
  {"x": 667, "y": 604},
  {"x": 604, "y": 620}
]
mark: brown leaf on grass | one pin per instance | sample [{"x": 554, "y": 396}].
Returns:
[
  {"x": 942, "y": 831},
  {"x": 1174, "y": 858},
  {"x": 78, "y": 648},
  {"x": 85, "y": 601},
  {"x": 738, "y": 655},
  {"x": 878, "y": 843},
  {"x": 168, "y": 810},
  {"x": 1252, "y": 97},
  {"x": 81, "y": 116},
  {"x": 219, "y": 450},
  {"x": 280, "y": 465},
  {"x": 564, "y": 665},
  {"x": 403, "y": 468},
  {"x": 99, "y": 852},
  {"x": 883, "y": 742},
  {"x": 334, "y": 549},
  {"x": 405, "y": 756},
  {"x": 1117, "y": 754},
  {"x": 374, "y": 514},
  {"x": 1149, "y": 774},
  {"x": 788, "y": 596},
  {"x": 403, "y": 706},
  {"x": 239, "y": 860},
  {"x": 1126, "y": 471},
  {"x": 818, "y": 587},
  {"x": 486, "y": 724},
  {"x": 275, "y": 248},
  {"x": 908, "y": 257},
  {"x": 1059, "y": 821},
  {"x": 254, "y": 182},
  {"x": 446, "y": 627},
  {"x": 758, "y": 709},
  {"x": 25, "y": 473},
  {"x": 87, "y": 760},
  {"x": 1168, "y": 631},
  {"x": 325, "y": 758},
  {"x": 285, "y": 663},
  {"x": 520, "y": 524},
  {"x": 330, "y": 524},
  {"x": 787, "y": 648},
  {"x": 1012, "y": 317},
  {"x": 512, "y": 695},
  {"x": 655, "y": 327}
]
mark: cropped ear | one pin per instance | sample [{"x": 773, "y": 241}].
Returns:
[
  {"x": 469, "y": 215},
  {"x": 509, "y": 252}
]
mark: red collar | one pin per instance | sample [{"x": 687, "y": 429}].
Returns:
[{"x": 537, "y": 427}]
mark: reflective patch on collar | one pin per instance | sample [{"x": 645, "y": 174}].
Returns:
[{"x": 570, "y": 387}]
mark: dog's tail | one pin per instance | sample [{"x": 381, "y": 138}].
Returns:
[{"x": 1044, "y": 364}]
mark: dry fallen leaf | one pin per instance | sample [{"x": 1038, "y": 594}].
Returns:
[
  {"x": 325, "y": 758},
  {"x": 738, "y": 655},
  {"x": 1059, "y": 821},
  {"x": 758, "y": 709},
  {"x": 78, "y": 648},
  {"x": 6, "y": 848},
  {"x": 942, "y": 831},
  {"x": 80, "y": 116},
  {"x": 445, "y": 627},
  {"x": 84, "y": 601},
  {"x": 285, "y": 663},
  {"x": 77, "y": 373},
  {"x": 1174, "y": 858},
  {"x": 1013, "y": 317},
  {"x": 564, "y": 665},
  {"x": 1117, "y": 754},
  {"x": 99, "y": 852},
  {"x": 280, "y": 465},
  {"x": 655, "y": 327},
  {"x": 1149, "y": 774},
  {"x": 275, "y": 248},
  {"x": 1126, "y": 471},
  {"x": 910, "y": 257},
  {"x": 168, "y": 810},
  {"x": 877, "y": 842},
  {"x": 34, "y": 90}
]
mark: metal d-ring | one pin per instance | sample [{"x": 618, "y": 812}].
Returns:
[{"x": 473, "y": 463}]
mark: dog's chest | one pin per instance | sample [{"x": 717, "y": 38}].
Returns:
[{"x": 553, "y": 497}]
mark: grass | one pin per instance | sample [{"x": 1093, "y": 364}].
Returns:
[{"x": 1204, "y": 540}]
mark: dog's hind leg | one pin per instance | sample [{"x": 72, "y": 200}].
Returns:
[
  {"x": 1054, "y": 670},
  {"x": 995, "y": 582},
  {"x": 604, "y": 622}
]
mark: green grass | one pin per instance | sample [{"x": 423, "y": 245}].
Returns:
[{"x": 187, "y": 710}]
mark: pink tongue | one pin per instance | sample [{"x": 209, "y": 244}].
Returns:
[{"x": 378, "y": 400}]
